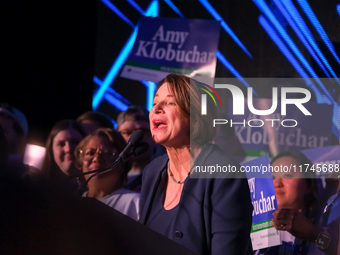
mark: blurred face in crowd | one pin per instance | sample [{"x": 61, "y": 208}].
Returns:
[
  {"x": 89, "y": 126},
  {"x": 14, "y": 141},
  {"x": 168, "y": 126},
  {"x": 290, "y": 187},
  {"x": 128, "y": 127},
  {"x": 100, "y": 153},
  {"x": 64, "y": 144}
]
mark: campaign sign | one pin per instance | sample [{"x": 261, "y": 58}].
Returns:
[
  {"x": 263, "y": 197},
  {"x": 275, "y": 133},
  {"x": 173, "y": 45},
  {"x": 326, "y": 161}
]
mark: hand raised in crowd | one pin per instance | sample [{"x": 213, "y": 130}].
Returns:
[{"x": 296, "y": 223}]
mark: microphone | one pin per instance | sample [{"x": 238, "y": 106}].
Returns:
[
  {"x": 134, "y": 139},
  {"x": 139, "y": 149}
]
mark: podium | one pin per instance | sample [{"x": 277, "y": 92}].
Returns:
[
  {"x": 129, "y": 236},
  {"x": 67, "y": 226}
]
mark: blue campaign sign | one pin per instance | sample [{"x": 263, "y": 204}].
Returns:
[
  {"x": 272, "y": 116},
  {"x": 263, "y": 197},
  {"x": 275, "y": 133},
  {"x": 326, "y": 160},
  {"x": 173, "y": 45},
  {"x": 261, "y": 188},
  {"x": 327, "y": 154}
]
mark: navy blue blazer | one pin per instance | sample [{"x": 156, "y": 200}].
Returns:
[{"x": 214, "y": 214}]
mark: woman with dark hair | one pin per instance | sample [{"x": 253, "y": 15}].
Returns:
[
  {"x": 303, "y": 172},
  {"x": 59, "y": 161},
  {"x": 97, "y": 151},
  {"x": 205, "y": 214},
  {"x": 297, "y": 198}
]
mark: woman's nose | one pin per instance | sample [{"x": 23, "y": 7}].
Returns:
[
  {"x": 157, "y": 108},
  {"x": 97, "y": 157},
  {"x": 68, "y": 147},
  {"x": 277, "y": 182}
]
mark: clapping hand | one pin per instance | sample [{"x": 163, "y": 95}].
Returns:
[{"x": 296, "y": 223}]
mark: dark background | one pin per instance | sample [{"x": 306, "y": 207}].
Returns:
[
  {"x": 47, "y": 62},
  {"x": 51, "y": 50}
]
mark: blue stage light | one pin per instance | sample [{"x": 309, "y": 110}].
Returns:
[
  {"x": 314, "y": 20},
  {"x": 224, "y": 25},
  {"x": 288, "y": 11},
  {"x": 119, "y": 102},
  {"x": 232, "y": 69},
  {"x": 307, "y": 34},
  {"x": 114, "y": 70},
  {"x": 136, "y": 6},
  {"x": 286, "y": 52},
  {"x": 152, "y": 11},
  {"x": 265, "y": 9},
  {"x": 320, "y": 98},
  {"x": 300, "y": 35},
  {"x": 150, "y": 87},
  {"x": 219, "y": 55},
  {"x": 174, "y": 8},
  {"x": 113, "y": 8}
]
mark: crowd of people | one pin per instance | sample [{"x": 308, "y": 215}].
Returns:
[{"x": 155, "y": 189}]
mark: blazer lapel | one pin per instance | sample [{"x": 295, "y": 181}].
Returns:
[{"x": 151, "y": 185}]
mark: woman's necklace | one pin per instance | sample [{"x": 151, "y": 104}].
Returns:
[{"x": 172, "y": 176}]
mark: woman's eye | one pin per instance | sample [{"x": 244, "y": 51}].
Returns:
[
  {"x": 61, "y": 144},
  {"x": 89, "y": 153},
  {"x": 288, "y": 176}
]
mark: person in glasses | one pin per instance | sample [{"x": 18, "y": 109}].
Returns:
[{"x": 99, "y": 150}]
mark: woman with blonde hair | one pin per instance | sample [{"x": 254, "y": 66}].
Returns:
[{"x": 99, "y": 150}]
